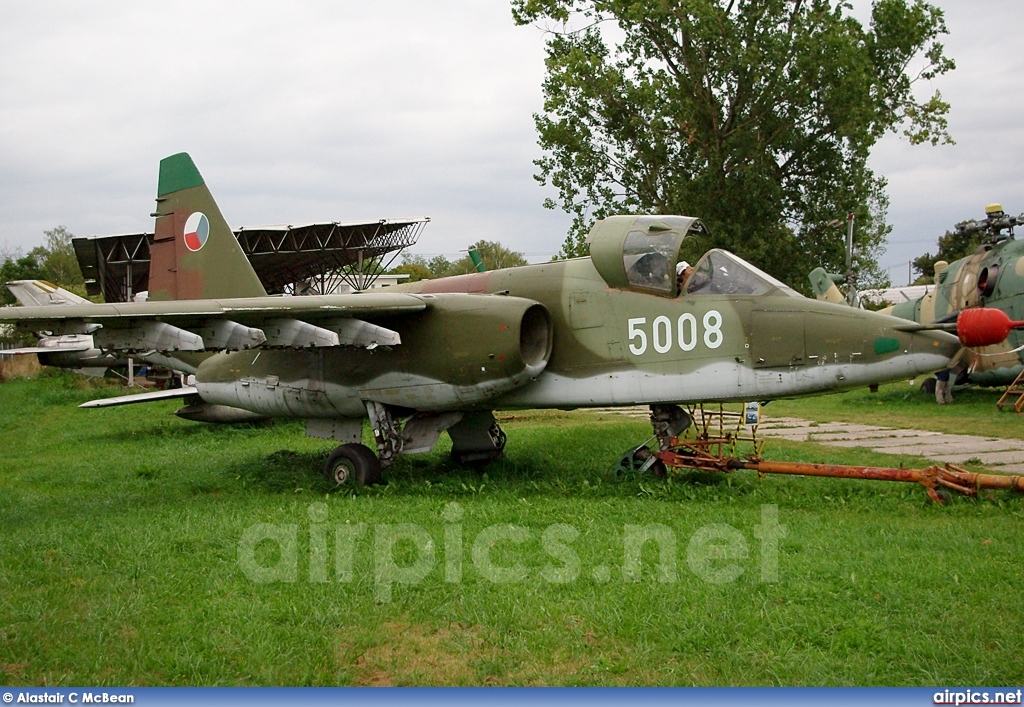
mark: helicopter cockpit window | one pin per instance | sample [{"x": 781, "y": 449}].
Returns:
[
  {"x": 722, "y": 273},
  {"x": 650, "y": 260}
]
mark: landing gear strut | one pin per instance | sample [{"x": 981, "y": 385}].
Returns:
[
  {"x": 668, "y": 422},
  {"x": 386, "y": 431},
  {"x": 477, "y": 440},
  {"x": 356, "y": 464}
]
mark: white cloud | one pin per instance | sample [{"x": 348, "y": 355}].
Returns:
[
  {"x": 933, "y": 188},
  {"x": 341, "y": 111},
  {"x": 293, "y": 112}
]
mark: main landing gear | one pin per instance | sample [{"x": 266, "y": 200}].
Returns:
[
  {"x": 353, "y": 464},
  {"x": 476, "y": 440}
]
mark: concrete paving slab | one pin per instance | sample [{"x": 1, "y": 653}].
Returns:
[
  {"x": 784, "y": 422},
  {"x": 828, "y": 427},
  {"x": 998, "y": 454},
  {"x": 1007, "y": 445},
  {"x": 794, "y": 437},
  {"x": 851, "y": 428},
  {"x": 986, "y": 458},
  {"x": 866, "y": 436},
  {"x": 887, "y": 443},
  {"x": 822, "y": 432}
]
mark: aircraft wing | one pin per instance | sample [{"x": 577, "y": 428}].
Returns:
[
  {"x": 43, "y": 350},
  {"x": 226, "y": 324},
  {"x": 42, "y": 293},
  {"x": 142, "y": 397}
]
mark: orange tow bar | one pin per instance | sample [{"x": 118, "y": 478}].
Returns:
[{"x": 695, "y": 454}]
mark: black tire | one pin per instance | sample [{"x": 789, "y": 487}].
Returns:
[
  {"x": 928, "y": 386},
  {"x": 657, "y": 469},
  {"x": 352, "y": 465}
]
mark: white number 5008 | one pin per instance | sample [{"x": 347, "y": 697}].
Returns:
[{"x": 685, "y": 328}]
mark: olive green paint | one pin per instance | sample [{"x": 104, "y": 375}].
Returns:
[
  {"x": 177, "y": 172},
  {"x": 884, "y": 345}
]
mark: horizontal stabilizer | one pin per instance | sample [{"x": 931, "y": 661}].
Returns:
[{"x": 142, "y": 397}]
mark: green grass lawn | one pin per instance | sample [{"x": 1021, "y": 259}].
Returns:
[{"x": 134, "y": 549}]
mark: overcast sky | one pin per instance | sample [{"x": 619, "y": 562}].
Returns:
[{"x": 343, "y": 111}]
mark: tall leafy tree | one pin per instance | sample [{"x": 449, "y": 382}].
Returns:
[
  {"x": 757, "y": 116},
  {"x": 25, "y": 267},
  {"x": 952, "y": 246},
  {"x": 495, "y": 257},
  {"x": 58, "y": 260},
  {"x": 493, "y": 253}
]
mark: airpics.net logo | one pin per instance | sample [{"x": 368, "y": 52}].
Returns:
[
  {"x": 197, "y": 231},
  {"x": 977, "y": 697},
  {"x": 502, "y": 553}
]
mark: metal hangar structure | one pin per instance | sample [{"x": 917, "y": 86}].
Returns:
[{"x": 315, "y": 258}]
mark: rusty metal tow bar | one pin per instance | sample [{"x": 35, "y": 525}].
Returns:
[{"x": 715, "y": 449}]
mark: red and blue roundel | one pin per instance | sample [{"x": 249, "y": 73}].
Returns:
[{"x": 197, "y": 230}]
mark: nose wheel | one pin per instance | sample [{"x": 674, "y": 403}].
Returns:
[{"x": 352, "y": 465}]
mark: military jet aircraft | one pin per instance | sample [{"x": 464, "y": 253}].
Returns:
[{"x": 614, "y": 328}]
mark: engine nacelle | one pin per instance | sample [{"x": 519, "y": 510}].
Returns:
[
  {"x": 461, "y": 351},
  {"x": 470, "y": 348}
]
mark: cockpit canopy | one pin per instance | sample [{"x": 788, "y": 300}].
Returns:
[
  {"x": 641, "y": 253},
  {"x": 720, "y": 272}
]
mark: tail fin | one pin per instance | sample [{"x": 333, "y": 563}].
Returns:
[
  {"x": 824, "y": 287},
  {"x": 194, "y": 253}
]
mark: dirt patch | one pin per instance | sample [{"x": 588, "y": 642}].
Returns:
[
  {"x": 414, "y": 654},
  {"x": 13, "y": 669},
  {"x": 404, "y": 653},
  {"x": 12, "y": 367}
]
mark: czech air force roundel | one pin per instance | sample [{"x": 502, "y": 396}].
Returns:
[{"x": 197, "y": 230}]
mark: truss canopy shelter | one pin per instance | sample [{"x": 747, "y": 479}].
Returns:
[
  {"x": 115, "y": 266},
  {"x": 309, "y": 259},
  {"x": 317, "y": 257}
]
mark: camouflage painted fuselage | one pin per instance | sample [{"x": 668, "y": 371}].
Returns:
[{"x": 608, "y": 346}]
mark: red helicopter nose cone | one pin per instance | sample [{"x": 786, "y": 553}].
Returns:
[{"x": 982, "y": 326}]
